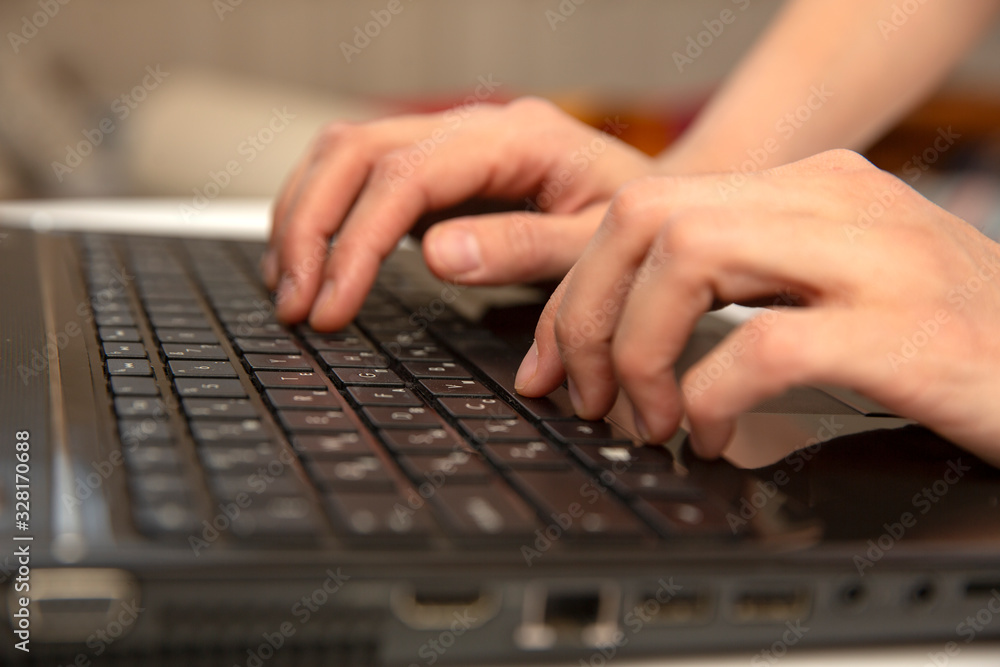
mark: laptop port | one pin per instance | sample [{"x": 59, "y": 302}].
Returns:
[
  {"x": 771, "y": 606},
  {"x": 78, "y": 604},
  {"x": 981, "y": 588},
  {"x": 577, "y": 617},
  {"x": 853, "y": 596},
  {"x": 443, "y": 609},
  {"x": 921, "y": 594},
  {"x": 685, "y": 607}
]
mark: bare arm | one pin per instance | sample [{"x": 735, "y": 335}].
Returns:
[{"x": 860, "y": 64}]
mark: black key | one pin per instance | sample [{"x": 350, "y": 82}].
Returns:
[
  {"x": 277, "y": 362},
  {"x": 200, "y": 368},
  {"x": 703, "y": 518},
  {"x": 353, "y": 359},
  {"x": 654, "y": 483},
  {"x": 332, "y": 446},
  {"x": 152, "y": 458},
  {"x": 457, "y": 467},
  {"x": 128, "y": 367},
  {"x": 290, "y": 379},
  {"x": 346, "y": 341},
  {"x": 171, "y": 306},
  {"x": 119, "y": 334},
  {"x": 229, "y": 459},
  {"x": 367, "y": 376},
  {"x": 139, "y": 407},
  {"x": 402, "y": 417},
  {"x": 257, "y": 485},
  {"x": 401, "y": 338},
  {"x": 530, "y": 455},
  {"x": 187, "y": 336},
  {"x": 361, "y": 473},
  {"x": 158, "y": 487},
  {"x": 308, "y": 399},
  {"x": 578, "y": 504},
  {"x": 425, "y": 352},
  {"x": 114, "y": 319},
  {"x": 384, "y": 396},
  {"x": 135, "y": 431},
  {"x": 477, "y": 408},
  {"x": 437, "y": 369},
  {"x": 485, "y": 510},
  {"x": 169, "y": 517},
  {"x": 456, "y": 388},
  {"x": 244, "y": 430},
  {"x": 245, "y": 330},
  {"x": 430, "y": 441},
  {"x": 500, "y": 430},
  {"x": 620, "y": 457},
  {"x": 555, "y": 406},
  {"x": 195, "y": 352},
  {"x": 133, "y": 386},
  {"x": 127, "y": 350},
  {"x": 378, "y": 514},
  {"x": 219, "y": 408},
  {"x": 587, "y": 432},
  {"x": 316, "y": 421},
  {"x": 279, "y": 518},
  {"x": 209, "y": 388},
  {"x": 266, "y": 345},
  {"x": 177, "y": 321}
]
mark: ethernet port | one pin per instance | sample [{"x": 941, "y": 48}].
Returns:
[{"x": 574, "y": 616}]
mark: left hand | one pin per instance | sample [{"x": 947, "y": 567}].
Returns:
[{"x": 898, "y": 299}]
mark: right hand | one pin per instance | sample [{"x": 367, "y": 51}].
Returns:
[{"x": 370, "y": 183}]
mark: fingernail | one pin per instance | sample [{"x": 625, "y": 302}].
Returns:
[
  {"x": 324, "y": 299},
  {"x": 527, "y": 369},
  {"x": 458, "y": 251},
  {"x": 574, "y": 396},
  {"x": 640, "y": 426},
  {"x": 286, "y": 290},
  {"x": 269, "y": 268}
]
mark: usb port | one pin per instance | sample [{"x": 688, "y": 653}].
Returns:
[{"x": 771, "y": 606}]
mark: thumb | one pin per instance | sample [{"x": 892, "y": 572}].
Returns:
[{"x": 503, "y": 248}]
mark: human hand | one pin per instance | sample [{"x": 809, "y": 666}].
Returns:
[
  {"x": 899, "y": 302},
  {"x": 369, "y": 183}
]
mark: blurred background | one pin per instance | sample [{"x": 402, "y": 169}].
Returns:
[{"x": 143, "y": 98}]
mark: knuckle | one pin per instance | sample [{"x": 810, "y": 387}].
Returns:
[
  {"x": 335, "y": 133},
  {"x": 532, "y": 107},
  {"x": 523, "y": 243},
  {"x": 843, "y": 158}
]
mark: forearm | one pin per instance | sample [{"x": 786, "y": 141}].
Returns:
[{"x": 828, "y": 75}]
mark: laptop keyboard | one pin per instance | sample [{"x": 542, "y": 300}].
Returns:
[{"x": 403, "y": 425}]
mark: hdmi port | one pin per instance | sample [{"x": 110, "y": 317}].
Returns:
[
  {"x": 443, "y": 609},
  {"x": 771, "y": 606}
]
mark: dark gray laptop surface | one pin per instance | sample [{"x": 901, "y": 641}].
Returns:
[{"x": 186, "y": 479}]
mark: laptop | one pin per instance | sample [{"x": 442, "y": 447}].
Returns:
[{"x": 187, "y": 479}]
